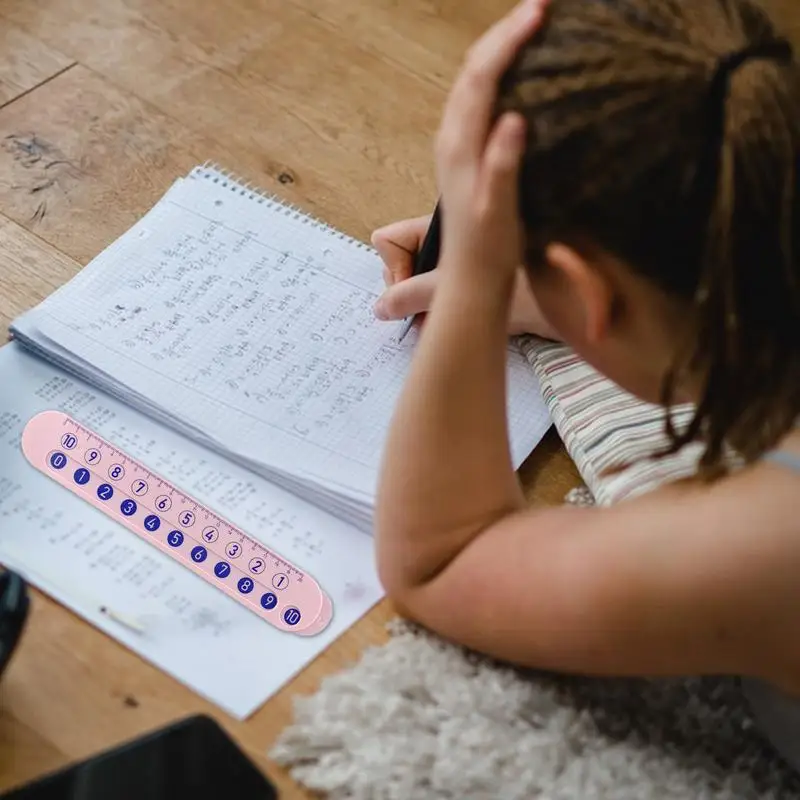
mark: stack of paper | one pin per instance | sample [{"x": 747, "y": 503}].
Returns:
[{"x": 248, "y": 327}]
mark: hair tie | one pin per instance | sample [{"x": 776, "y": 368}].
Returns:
[
  {"x": 774, "y": 49},
  {"x": 707, "y": 175},
  {"x": 779, "y": 50}
]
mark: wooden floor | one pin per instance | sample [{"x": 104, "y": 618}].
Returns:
[{"x": 103, "y": 103}]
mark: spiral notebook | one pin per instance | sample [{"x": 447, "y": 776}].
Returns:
[
  {"x": 247, "y": 326},
  {"x": 227, "y": 342}
]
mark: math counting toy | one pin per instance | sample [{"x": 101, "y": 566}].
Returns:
[{"x": 169, "y": 519}]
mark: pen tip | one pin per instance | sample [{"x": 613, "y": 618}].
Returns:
[{"x": 408, "y": 322}]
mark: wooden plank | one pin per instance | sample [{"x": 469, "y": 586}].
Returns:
[
  {"x": 25, "y": 62},
  {"x": 426, "y": 39},
  {"x": 30, "y": 270},
  {"x": 24, "y": 753},
  {"x": 549, "y": 473},
  {"x": 334, "y": 133},
  {"x": 81, "y": 161}
]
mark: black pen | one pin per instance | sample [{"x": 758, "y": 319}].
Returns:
[{"x": 426, "y": 260}]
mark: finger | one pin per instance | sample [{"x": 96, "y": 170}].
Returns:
[
  {"x": 398, "y": 243},
  {"x": 406, "y": 298},
  {"x": 470, "y": 106},
  {"x": 501, "y": 163}
]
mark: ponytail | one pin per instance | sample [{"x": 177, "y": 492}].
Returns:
[{"x": 747, "y": 302}]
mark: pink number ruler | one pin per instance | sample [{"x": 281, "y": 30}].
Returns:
[{"x": 160, "y": 513}]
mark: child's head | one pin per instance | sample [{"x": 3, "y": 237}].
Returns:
[{"x": 672, "y": 181}]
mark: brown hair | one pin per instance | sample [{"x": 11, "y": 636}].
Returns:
[{"x": 639, "y": 142}]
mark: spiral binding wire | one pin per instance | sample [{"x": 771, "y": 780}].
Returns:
[{"x": 229, "y": 180}]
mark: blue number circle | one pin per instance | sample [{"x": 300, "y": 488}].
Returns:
[
  {"x": 245, "y": 585},
  {"x": 81, "y": 476},
  {"x": 268, "y": 601},
  {"x": 291, "y": 616},
  {"x": 152, "y": 522},
  {"x": 127, "y": 507},
  {"x": 199, "y": 554},
  {"x": 105, "y": 491},
  {"x": 222, "y": 569},
  {"x": 174, "y": 538},
  {"x": 58, "y": 460}
]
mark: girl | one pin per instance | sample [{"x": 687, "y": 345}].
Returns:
[{"x": 640, "y": 158}]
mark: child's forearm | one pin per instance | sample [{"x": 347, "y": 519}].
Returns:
[{"x": 447, "y": 471}]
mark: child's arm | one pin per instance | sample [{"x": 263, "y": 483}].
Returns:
[{"x": 684, "y": 581}]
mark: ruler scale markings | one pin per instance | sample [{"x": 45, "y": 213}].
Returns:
[
  {"x": 182, "y": 498},
  {"x": 174, "y": 522}
]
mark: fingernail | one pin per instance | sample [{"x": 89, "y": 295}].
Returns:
[{"x": 379, "y": 309}]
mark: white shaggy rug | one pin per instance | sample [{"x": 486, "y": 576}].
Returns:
[{"x": 420, "y": 718}]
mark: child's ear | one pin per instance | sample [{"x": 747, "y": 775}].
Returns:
[{"x": 587, "y": 284}]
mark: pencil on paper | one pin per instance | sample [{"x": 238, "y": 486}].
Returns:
[
  {"x": 121, "y": 619},
  {"x": 408, "y": 323},
  {"x": 60, "y": 593}
]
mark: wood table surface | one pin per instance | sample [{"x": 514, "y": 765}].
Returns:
[
  {"x": 103, "y": 103},
  {"x": 330, "y": 104}
]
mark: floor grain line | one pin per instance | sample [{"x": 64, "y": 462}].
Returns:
[{"x": 38, "y": 85}]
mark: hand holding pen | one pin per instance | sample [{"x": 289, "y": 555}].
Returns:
[{"x": 410, "y": 249}]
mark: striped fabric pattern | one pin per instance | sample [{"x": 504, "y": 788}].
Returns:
[{"x": 603, "y": 426}]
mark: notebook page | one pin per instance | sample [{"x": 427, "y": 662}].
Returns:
[
  {"x": 254, "y": 324},
  {"x": 194, "y": 632}
]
